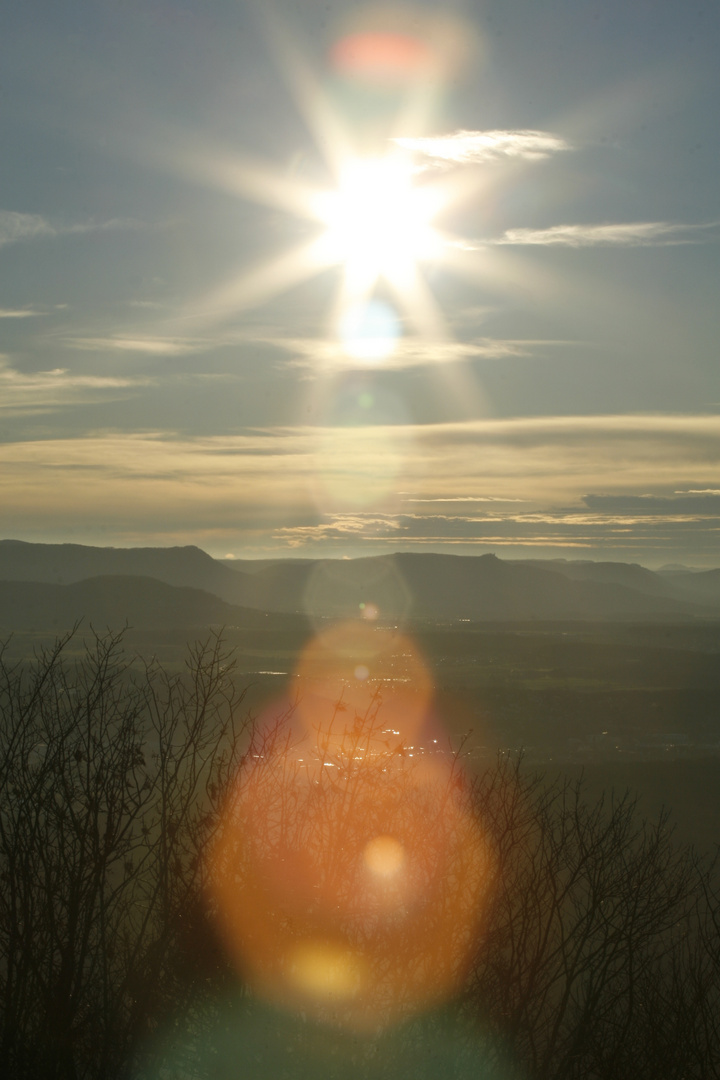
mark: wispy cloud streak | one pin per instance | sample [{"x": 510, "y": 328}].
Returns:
[
  {"x": 152, "y": 346},
  {"x": 478, "y": 147},
  {"x": 325, "y": 354},
  {"x": 627, "y": 234},
  {"x": 16, "y": 227},
  {"x": 24, "y": 393},
  {"x": 19, "y": 313}
]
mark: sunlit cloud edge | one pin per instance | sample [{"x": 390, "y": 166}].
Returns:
[
  {"x": 621, "y": 234},
  {"x": 479, "y": 147}
]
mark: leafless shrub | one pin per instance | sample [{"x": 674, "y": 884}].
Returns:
[{"x": 110, "y": 790}]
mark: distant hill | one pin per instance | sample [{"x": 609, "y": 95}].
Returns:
[
  {"x": 63, "y": 564},
  {"x": 401, "y": 585},
  {"x": 699, "y": 585},
  {"x": 629, "y": 575},
  {"x": 113, "y": 602},
  {"x": 488, "y": 588}
]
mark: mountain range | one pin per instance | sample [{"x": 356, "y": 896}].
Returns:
[{"x": 51, "y": 585}]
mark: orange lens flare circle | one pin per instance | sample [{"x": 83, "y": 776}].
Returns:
[
  {"x": 348, "y": 875},
  {"x": 353, "y": 897}
]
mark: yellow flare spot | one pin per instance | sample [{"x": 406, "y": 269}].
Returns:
[
  {"x": 384, "y": 856},
  {"x": 361, "y": 672},
  {"x": 325, "y": 970}
]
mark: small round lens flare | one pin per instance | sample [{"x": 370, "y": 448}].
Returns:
[
  {"x": 381, "y": 57},
  {"x": 325, "y": 970},
  {"x": 361, "y": 672},
  {"x": 370, "y": 332},
  {"x": 384, "y": 857}
]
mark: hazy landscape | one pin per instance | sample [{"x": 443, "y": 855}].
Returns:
[{"x": 605, "y": 668}]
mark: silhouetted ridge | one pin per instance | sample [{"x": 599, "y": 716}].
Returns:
[
  {"x": 114, "y": 601},
  {"x": 401, "y": 585}
]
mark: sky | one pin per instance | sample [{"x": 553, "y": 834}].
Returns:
[{"x": 335, "y": 279}]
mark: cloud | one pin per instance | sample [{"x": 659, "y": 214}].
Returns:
[
  {"x": 44, "y": 391},
  {"x": 632, "y": 234},
  {"x": 15, "y": 227},
  {"x": 552, "y": 528},
  {"x": 479, "y": 147},
  {"x": 19, "y": 313},
  {"x": 696, "y": 503},
  {"x": 153, "y": 346},
  {"x": 341, "y": 527},
  {"x": 464, "y": 499},
  {"x": 321, "y": 354},
  {"x": 349, "y": 486}
]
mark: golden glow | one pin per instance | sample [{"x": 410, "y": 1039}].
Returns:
[
  {"x": 384, "y": 857},
  {"x": 325, "y": 970},
  {"x": 350, "y": 871},
  {"x": 327, "y": 672},
  {"x": 378, "y": 221}
]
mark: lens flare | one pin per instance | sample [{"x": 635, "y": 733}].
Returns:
[
  {"x": 325, "y": 971},
  {"x": 384, "y": 856},
  {"x": 327, "y": 677},
  {"x": 370, "y": 589},
  {"x": 382, "y": 57},
  {"x": 349, "y": 871},
  {"x": 369, "y": 332}
]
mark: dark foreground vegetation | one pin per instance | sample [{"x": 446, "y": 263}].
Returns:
[{"x": 598, "y": 954}]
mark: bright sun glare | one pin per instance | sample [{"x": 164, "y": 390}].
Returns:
[{"x": 378, "y": 222}]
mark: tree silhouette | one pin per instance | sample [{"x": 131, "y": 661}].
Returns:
[
  {"x": 109, "y": 794},
  {"x": 600, "y": 957},
  {"x": 397, "y": 917}
]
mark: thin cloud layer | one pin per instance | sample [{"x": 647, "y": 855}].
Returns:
[
  {"x": 152, "y": 346},
  {"x": 552, "y": 529},
  {"x": 19, "y": 313},
  {"x": 698, "y": 503},
  {"x": 462, "y": 499},
  {"x": 46, "y": 391},
  {"x": 479, "y": 147},
  {"x": 15, "y": 227},
  {"x": 629, "y": 234},
  {"x": 323, "y": 354},
  {"x": 297, "y": 485}
]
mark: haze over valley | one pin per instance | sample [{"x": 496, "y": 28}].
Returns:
[{"x": 606, "y": 666}]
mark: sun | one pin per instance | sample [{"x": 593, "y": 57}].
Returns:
[
  {"x": 378, "y": 221},
  {"x": 374, "y": 223}
]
